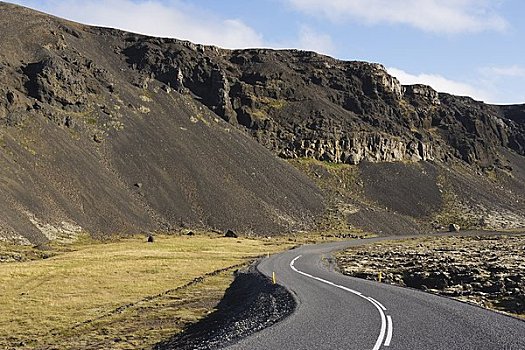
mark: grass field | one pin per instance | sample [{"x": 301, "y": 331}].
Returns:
[{"x": 125, "y": 294}]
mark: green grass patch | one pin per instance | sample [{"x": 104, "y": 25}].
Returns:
[
  {"x": 265, "y": 106},
  {"x": 272, "y": 102}
]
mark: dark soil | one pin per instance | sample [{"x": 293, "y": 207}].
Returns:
[
  {"x": 407, "y": 189},
  {"x": 80, "y": 128},
  {"x": 250, "y": 304}
]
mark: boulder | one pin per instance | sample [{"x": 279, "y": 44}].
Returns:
[
  {"x": 230, "y": 234},
  {"x": 454, "y": 228}
]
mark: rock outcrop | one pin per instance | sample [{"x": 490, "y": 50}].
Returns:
[
  {"x": 302, "y": 104},
  {"x": 483, "y": 270}
]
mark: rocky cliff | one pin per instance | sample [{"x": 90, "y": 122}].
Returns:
[
  {"x": 302, "y": 104},
  {"x": 107, "y": 131}
]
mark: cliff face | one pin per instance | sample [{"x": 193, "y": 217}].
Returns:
[
  {"x": 302, "y": 104},
  {"x": 106, "y": 131}
]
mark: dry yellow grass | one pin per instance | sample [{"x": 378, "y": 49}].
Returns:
[{"x": 125, "y": 294}]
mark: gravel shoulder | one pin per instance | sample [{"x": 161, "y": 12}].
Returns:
[
  {"x": 488, "y": 271},
  {"x": 250, "y": 304}
]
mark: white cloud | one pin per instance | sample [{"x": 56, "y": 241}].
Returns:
[
  {"x": 311, "y": 40},
  {"x": 514, "y": 71},
  {"x": 442, "y": 16},
  {"x": 506, "y": 81},
  {"x": 441, "y": 84},
  {"x": 175, "y": 19}
]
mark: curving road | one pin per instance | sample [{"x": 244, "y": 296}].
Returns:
[{"x": 340, "y": 312}]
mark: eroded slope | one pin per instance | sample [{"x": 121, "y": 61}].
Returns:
[{"x": 88, "y": 145}]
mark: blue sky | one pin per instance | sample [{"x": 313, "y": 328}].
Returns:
[{"x": 465, "y": 47}]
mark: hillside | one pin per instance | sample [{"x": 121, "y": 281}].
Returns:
[
  {"x": 83, "y": 148},
  {"x": 107, "y": 132}
]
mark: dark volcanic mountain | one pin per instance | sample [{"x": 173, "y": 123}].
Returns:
[{"x": 106, "y": 132}]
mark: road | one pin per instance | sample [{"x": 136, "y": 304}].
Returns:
[{"x": 340, "y": 312}]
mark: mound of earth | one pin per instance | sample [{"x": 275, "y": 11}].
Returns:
[{"x": 250, "y": 304}]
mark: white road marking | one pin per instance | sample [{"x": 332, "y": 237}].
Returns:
[
  {"x": 378, "y": 303},
  {"x": 389, "y": 326},
  {"x": 382, "y": 332},
  {"x": 386, "y": 321}
]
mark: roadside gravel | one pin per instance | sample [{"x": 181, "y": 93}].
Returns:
[{"x": 250, "y": 304}]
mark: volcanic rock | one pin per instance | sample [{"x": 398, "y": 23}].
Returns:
[{"x": 86, "y": 111}]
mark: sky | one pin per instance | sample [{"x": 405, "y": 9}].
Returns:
[{"x": 463, "y": 47}]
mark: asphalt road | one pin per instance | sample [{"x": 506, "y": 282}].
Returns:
[{"x": 340, "y": 312}]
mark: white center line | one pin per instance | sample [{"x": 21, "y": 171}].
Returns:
[
  {"x": 378, "y": 303},
  {"x": 388, "y": 330},
  {"x": 386, "y": 321}
]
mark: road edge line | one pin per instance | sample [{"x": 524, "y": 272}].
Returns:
[{"x": 377, "y": 305}]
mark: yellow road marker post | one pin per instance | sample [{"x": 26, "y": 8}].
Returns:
[
  {"x": 379, "y": 276},
  {"x": 273, "y": 277}
]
